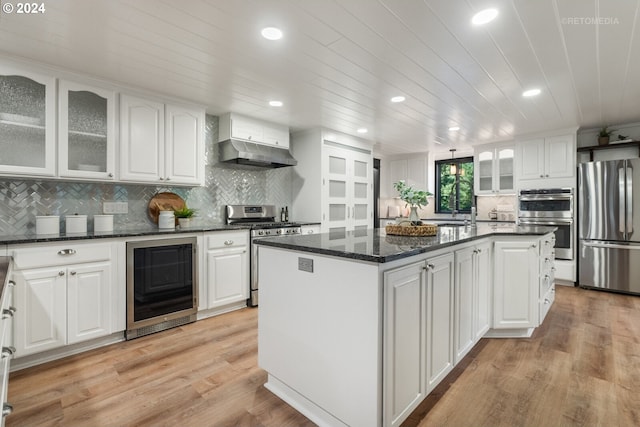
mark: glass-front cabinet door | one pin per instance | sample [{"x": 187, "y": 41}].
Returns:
[
  {"x": 27, "y": 123},
  {"x": 504, "y": 177},
  {"x": 485, "y": 171},
  {"x": 86, "y": 132}
]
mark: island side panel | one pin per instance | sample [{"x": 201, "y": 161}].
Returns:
[{"x": 319, "y": 333}]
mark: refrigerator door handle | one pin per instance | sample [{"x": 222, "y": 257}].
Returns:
[
  {"x": 621, "y": 208},
  {"x": 629, "y": 200},
  {"x": 610, "y": 245}
]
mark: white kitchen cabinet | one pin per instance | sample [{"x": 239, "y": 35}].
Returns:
[
  {"x": 27, "y": 121},
  {"x": 310, "y": 229},
  {"x": 516, "y": 284},
  {"x": 494, "y": 169},
  {"x": 64, "y": 295},
  {"x": 418, "y": 333},
  {"x": 411, "y": 170},
  {"x": 333, "y": 181},
  {"x": 440, "y": 318},
  {"x": 472, "y": 296},
  {"x": 405, "y": 313},
  {"x": 547, "y": 158},
  {"x": 236, "y": 126},
  {"x": 86, "y": 132},
  {"x": 547, "y": 276},
  {"x": 160, "y": 144},
  {"x": 227, "y": 269}
]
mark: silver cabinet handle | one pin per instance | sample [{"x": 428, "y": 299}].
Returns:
[
  {"x": 228, "y": 242},
  {"x": 167, "y": 179},
  {"x": 67, "y": 252},
  {"x": 533, "y": 246},
  {"x": 541, "y": 176},
  {"x": 61, "y": 273},
  {"x": 73, "y": 273},
  {"x": 12, "y": 283},
  {"x": 8, "y": 351},
  {"x": 429, "y": 267},
  {"x": 110, "y": 175},
  {"x": 6, "y": 409},
  {"x": 161, "y": 179},
  {"x": 546, "y": 301}
]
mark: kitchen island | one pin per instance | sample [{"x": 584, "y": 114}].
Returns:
[{"x": 356, "y": 329}]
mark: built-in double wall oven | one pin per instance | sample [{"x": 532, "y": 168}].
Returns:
[{"x": 551, "y": 207}]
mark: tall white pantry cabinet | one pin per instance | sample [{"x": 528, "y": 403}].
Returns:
[{"x": 333, "y": 181}]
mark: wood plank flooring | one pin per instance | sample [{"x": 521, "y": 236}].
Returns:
[{"x": 581, "y": 368}]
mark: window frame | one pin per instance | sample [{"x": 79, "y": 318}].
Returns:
[{"x": 438, "y": 197}]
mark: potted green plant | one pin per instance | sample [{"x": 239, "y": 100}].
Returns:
[
  {"x": 184, "y": 215},
  {"x": 604, "y": 135},
  {"x": 414, "y": 198}
]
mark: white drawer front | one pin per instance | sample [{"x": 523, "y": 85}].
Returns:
[
  {"x": 227, "y": 239},
  {"x": 60, "y": 254}
]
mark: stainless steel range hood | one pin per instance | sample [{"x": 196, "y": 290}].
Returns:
[{"x": 252, "y": 154}]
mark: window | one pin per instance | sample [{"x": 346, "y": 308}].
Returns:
[{"x": 454, "y": 192}]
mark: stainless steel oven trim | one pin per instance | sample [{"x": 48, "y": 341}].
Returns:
[
  {"x": 561, "y": 253},
  {"x": 130, "y": 246}
]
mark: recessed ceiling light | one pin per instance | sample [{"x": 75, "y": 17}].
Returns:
[
  {"x": 398, "y": 99},
  {"x": 531, "y": 92},
  {"x": 484, "y": 16},
  {"x": 454, "y": 128},
  {"x": 362, "y": 130},
  {"x": 271, "y": 33},
  {"x": 275, "y": 103}
]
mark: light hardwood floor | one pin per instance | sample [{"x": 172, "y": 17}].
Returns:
[{"x": 580, "y": 368}]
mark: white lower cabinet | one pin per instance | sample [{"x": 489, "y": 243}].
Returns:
[
  {"x": 418, "y": 336},
  {"x": 63, "y": 295},
  {"x": 227, "y": 269},
  {"x": 516, "y": 285},
  {"x": 472, "y": 296}
]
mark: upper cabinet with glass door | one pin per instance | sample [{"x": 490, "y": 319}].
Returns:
[
  {"x": 27, "y": 123},
  {"x": 494, "y": 169},
  {"x": 86, "y": 132}
]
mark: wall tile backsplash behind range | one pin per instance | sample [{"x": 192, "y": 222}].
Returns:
[{"x": 22, "y": 200}]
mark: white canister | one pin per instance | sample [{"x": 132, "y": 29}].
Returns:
[
  {"x": 48, "y": 224},
  {"x": 103, "y": 223},
  {"x": 76, "y": 224},
  {"x": 167, "y": 220}
]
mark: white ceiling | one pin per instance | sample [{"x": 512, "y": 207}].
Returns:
[{"x": 341, "y": 61}]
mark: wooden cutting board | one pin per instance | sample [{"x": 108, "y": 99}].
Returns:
[{"x": 164, "y": 202}]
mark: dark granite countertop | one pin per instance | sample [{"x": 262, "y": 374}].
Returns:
[
  {"x": 374, "y": 245},
  {"x": 5, "y": 270},
  {"x": 126, "y": 232}
]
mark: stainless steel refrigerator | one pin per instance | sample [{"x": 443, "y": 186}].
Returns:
[{"x": 609, "y": 225}]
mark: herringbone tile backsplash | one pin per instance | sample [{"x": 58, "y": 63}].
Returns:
[{"x": 22, "y": 200}]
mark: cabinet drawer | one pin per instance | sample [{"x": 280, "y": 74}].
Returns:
[
  {"x": 227, "y": 239},
  {"x": 546, "y": 302},
  {"x": 60, "y": 254}
]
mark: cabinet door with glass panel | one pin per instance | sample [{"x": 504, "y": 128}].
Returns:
[
  {"x": 86, "y": 132},
  {"x": 27, "y": 123},
  {"x": 494, "y": 169}
]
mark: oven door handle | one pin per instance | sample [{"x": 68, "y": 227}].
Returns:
[
  {"x": 544, "y": 198},
  {"x": 558, "y": 221}
]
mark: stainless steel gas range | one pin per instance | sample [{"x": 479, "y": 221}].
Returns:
[{"x": 262, "y": 219}]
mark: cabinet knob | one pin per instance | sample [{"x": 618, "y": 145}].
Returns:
[
  {"x": 73, "y": 273},
  {"x": 6, "y": 409},
  {"x": 228, "y": 242},
  {"x": 430, "y": 267},
  {"x": 8, "y": 312},
  {"x": 12, "y": 283},
  {"x": 249, "y": 137},
  {"x": 167, "y": 179},
  {"x": 64, "y": 252},
  {"x": 546, "y": 301},
  {"x": 547, "y": 176},
  {"x": 541, "y": 176},
  {"x": 161, "y": 179},
  {"x": 8, "y": 351},
  {"x": 533, "y": 246},
  {"x": 310, "y": 232},
  {"x": 61, "y": 273},
  {"x": 110, "y": 175}
]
